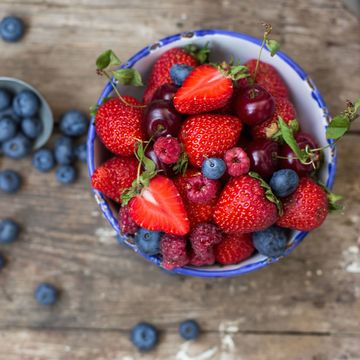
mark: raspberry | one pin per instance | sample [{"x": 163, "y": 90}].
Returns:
[
  {"x": 167, "y": 149},
  {"x": 204, "y": 237},
  {"x": 127, "y": 224},
  {"x": 207, "y": 258},
  {"x": 237, "y": 161},
  {"x": 201, "y": 190},
  {"x": 174, "y": 251}
]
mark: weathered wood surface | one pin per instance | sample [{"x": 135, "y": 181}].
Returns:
[{"x": 305, "y": 307}]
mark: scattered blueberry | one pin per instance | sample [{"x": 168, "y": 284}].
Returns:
[
  {"x": 43, "y": 160},
  {"x": 270, "y": 242},
  {"x": 65, "y": 174},
  {"x": 213, "y": 168},
  {"x": 2, "y": 261},
  {"x": 32, "y": 127},
  {"x": 5, "y": 99},
  {"x": 17, "y": 147},
  {"x": 81, "y": 152},
  {"x": 73, "y": 123},
  {"x": 26, "y": 103},
  {"x": 8, "y": 128},
  {"x": 64, "y": 150},
  {"x": 11, "y": 28},
  {"x": 46, "y": 294},
  {"x": 144, "y": 336},
  {"x": 284, "y": 182},
  {"x": 189, "y": 329},
  {"x": 10, "y": 181},
  {"x": 9, "y": 231},
  {"x": 148, "y": 241},
  {"x": 179, "y": 72}
]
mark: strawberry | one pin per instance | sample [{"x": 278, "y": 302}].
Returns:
[
  {"x": 159, "y": 207},
  {"x": 197, "y": 213},
  {"x": 234, "y": 248},
  {"x": 160, "y": 73},
  {"x": 206, "y": 88},
  {"x": 209, "y": 135},
  {"x": 245, "y": 205},
  {"x": 118, "y": 125},
  {"x": 114, "y": 176},
  {"x": 306, "y": 208},
  {"x": 267, "y": 77},
  {"x": 267, "y": 129}
]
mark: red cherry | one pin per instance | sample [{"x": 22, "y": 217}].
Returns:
[
  {"x": 165, "y": 92},
  {"x": 291, "y": 162},
  {"x": 262, "y": 154},
  {"x": 253, "y": 104}
]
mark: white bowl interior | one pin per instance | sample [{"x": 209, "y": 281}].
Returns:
[{"x": 312, "y": 116}]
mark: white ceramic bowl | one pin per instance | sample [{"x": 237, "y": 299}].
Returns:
[{"x": 311, "y": 110}]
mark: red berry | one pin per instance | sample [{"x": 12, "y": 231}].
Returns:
[
  {"x": 203, "y": 237},
  {"x": 234, "y": 248},
  {"x": 237, "y": 162},
  {"x": 167, "y": 149},
  {"x": 206, "y": 258},
  {"x": 174, "y": 251},
  {"x": 202, "y": 190},
  {"x": 114, "y": 176},
  {"x": 127, "y": 224},
  {"x": 165, "y": 92}
]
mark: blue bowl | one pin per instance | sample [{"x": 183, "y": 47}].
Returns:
[{"x": 311, "y": 108}]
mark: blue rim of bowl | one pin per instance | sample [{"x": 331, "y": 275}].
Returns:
[{"x": 202, "y": 272}]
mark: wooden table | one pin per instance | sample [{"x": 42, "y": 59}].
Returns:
[{"x": 305, "y": 307}]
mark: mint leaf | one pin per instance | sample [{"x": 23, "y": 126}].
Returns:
[
  {"x": 128, "y": 77},
  {"x": 106, "y": 59},
  {"x": 273, "y": 46},
  {"x": 338, "y": 127}
]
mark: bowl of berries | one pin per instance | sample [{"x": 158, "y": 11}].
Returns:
[{"x": 222, "y": 162}]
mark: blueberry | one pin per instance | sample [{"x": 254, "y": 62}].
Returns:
[
  {"x": 65, "y": 174},
  {"x": 46, "y": 294},
  {"x": 213, "y": 168},
  {"x": 17, "y": 147},
  {"x": 144, "y": 336},
  {"x": 189, "y": 329},
  {"x": 10, "y": 112},
  {"x": 179, "y": 72},
  {"x": 11, "y": 28},
  {"x": 284, "y": 182},
  {"x": 32, "y": 127},
  {"x": 73, "y": 123},
  {"x": 43, "y": 160},
  {"x": 148, "y": 241},
  {"x": 270, "y": 242},
  {"x": 26, "y": 103},
  {"x": 9, "y": 231},
  {"x": 81, "y": 152},
  {"x": 8, "y": 128},
  {"x": 5, "y": 99},
  {"x": 10, "y": 181},
  {"x": 2, "y": 261},
  {"x": 64, "y": 150}
]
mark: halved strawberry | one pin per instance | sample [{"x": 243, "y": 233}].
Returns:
[
  {"x": 159, "y": 207},
  {"x": 205, "y": 89}
]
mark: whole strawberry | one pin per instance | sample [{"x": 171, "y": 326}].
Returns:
[
  {"x": 283, "y": 108},
  {"x": 160, "y": 73},
  {"x": 234, "y": 248},
  {"x": 306, "y": 208},
  {"x": 209, "y": 135},
  {"x": 245, "y": 205},
  {"x": 267, "y": 77},
  {"x": 114, "y": 176},
  {"x": 118, "y": 125}
]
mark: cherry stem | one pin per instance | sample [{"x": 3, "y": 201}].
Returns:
[{"x": 268, "y": 29}]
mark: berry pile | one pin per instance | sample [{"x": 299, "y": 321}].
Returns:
[{"x": 212, "y": 166}]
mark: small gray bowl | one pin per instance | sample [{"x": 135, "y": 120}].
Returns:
[{"x": 45, "y": 114}]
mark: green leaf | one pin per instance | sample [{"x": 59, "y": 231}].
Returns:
[
  {"x": 128, "y": 77},
  {"x": 333, "y": 201},
  {"x": 149, "y": 165},
  {"x": 273, "y": 46},
  {"x": 106, "y": 59},
  {"x": 357, "y": 105},
  {"x": 268, "y": 192},
  {"x": 93, "y": 109},
  {"x": 181, "y": 165},
  {"x": 288, "y": 136},
  {"x": 239, "y": 72},
  {"x": 200, "y": 54},
  {"x": 338, "y": 127}
]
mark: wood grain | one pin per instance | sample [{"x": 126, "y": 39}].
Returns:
[{"x": 305, "y": 307}]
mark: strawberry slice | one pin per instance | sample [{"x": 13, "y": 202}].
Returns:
[
  {"x": 206, "y": 88},
  {"x": 159, "y": 207}
]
